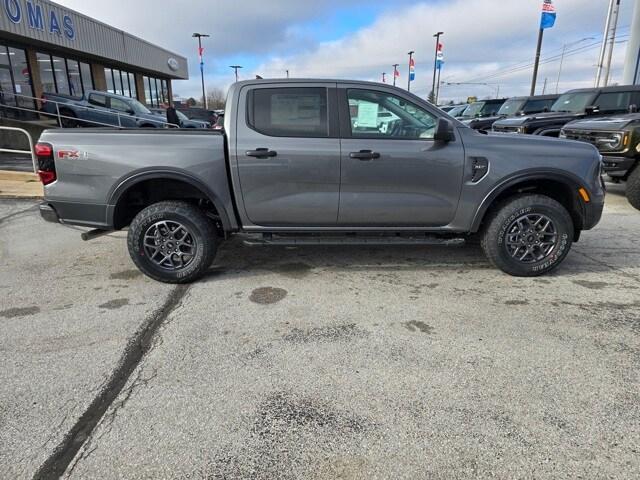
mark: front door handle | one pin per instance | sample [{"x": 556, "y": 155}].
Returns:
[
  {"x": 364, "y": 155},
  {"x": 261, "y": 153}
]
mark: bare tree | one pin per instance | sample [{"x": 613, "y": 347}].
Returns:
[{"x": 216, "y": 98}]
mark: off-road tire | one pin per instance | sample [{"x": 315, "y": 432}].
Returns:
[
  {"x": 633, "y": 188},
  {"x": 200, "y": 227},
  {"x": 502, "y": 218}
]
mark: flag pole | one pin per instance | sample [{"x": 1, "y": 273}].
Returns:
[
  {"x": 409, "y": 75},
  {"x": 395, "y": 72},
  {"x": 438, "y": 87},
  {"x": 435, "y": 65},
  {"x": 537, "y": 63}
]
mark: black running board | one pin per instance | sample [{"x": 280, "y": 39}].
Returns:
[{"x": 310, "y": 239}]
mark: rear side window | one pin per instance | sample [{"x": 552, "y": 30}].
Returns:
[
  {"x": 98, "y": 100},
  {"x": 614, "y": 102},
  {"x": 289, "y": 112}
]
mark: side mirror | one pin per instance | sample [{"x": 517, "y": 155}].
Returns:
[
  {"x": 592, "y": 109},
  {"x": 444, "y": 131},
  {"x": 131, "y": 111}
]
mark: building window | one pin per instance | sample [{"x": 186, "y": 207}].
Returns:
[
  {"x": 64, "y": 75},
  {"x": 120, "y": 82},
  {"x": 156, "y": 91},
  {"x": 15, "y": 82}
]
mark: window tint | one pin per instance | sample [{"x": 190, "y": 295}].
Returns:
[
  {"x": 535, "y": 106},
  {"x": 120, "y": 105},
  {"x": 614, "y": 102},
  {"x": 98, "y": 100},
  {"x": 377, "y": 114},
  {"x": 290, "y": 112}
]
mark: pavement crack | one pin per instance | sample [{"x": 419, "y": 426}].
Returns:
[
  {"x": 614, "y": 269},
  {"x": 137, "y": 348},
  {"x": 17, "y": 214}
]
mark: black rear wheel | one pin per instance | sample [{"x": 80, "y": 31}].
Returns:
[
  {"x": 528, "y": 235},
  {"x": 172, "y": 242}
]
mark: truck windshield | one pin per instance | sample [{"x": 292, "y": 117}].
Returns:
[
  {"x": 473, "y": 110},
  {"x": 573, "y": 102},
  {"x": 511, "y": 107}
]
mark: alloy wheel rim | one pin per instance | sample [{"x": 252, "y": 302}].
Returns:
[
  {"x": 170, "y": 245},
  {"x": 531, "y": 238}
]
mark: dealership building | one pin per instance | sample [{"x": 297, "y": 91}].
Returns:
[{"x": 45, "y": 47}]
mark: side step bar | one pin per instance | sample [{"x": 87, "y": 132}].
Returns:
[{"x": 310, "y": 239}]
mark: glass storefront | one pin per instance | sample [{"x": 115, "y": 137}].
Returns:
[
  {"x": 64, "y": 75},
  {"x": 120, "y": 82},
  {"x": 156, "y": 91},
  {"x": 15, "y": 83}
]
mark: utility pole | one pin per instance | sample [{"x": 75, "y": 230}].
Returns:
[
  {"x": 235, "y": 69},
  {"x": 384, "y": 77},
  {"x": 435, "y": 64},
  {"x": 632, "y": 62},
  {"x": 614, "y": 31},
  {"x": 395, "y": 72},
  {"x": 537, "y": 62},
  {"x": 200, "y": 36},
  {"x": 544, "y": 87},
  {"x": 410, "y": 65},
  {"x": 605, "y": 39}
]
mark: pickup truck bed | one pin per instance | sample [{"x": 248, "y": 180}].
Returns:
[{"x": 307, "y": 161}]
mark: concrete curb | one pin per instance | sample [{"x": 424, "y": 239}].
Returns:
[{"x": 20, "y": 185}]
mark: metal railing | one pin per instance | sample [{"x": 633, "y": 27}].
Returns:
[
  {"x": 30, "y": 152},
  {"x": 59, "y": 106}
]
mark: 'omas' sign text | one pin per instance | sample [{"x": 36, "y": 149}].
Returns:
[{"x": 37, "y": 17}]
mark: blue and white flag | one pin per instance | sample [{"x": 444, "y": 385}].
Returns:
[
  {"x": 548, "y": 15},
  {"x": 440, "y": 56}
]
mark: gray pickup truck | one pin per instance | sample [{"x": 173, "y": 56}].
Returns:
[{"x": 307, "y": 162}]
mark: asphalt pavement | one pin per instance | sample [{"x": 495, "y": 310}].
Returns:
[{"x": 318, "y": 362}]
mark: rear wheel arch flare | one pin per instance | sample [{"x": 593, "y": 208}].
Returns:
[{"x": 188, "y": 187}]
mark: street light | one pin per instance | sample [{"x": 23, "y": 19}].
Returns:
[
  {"x": 235, "y": 69},
  {"x": 564, "y": 50},
  {"x": 200, "y": 36}
]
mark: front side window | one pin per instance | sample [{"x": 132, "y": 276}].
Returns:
[
  {"x": 290, "y": 112},
  {"x": 614, "y": 102},
  {"x": 377, "y": 114},
  {"x": 511, "y": 107},
  {"x": 120, "y": 105},
  {"x": 535, "y": 106}
]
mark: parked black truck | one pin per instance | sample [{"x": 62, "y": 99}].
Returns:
[
  {"x": 574, "y": 105},
  {"x": 308, "y": 162},
  {"x": 618, "y": 140},
  {"x": 517, "y": 106}
]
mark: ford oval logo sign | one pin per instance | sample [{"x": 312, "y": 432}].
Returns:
[{"x": 173, "y": 64}]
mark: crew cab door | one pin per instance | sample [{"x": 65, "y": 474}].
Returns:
[
  {"x": 98, "y": 111},
  {"x": 393, "y": 173},
  {"x": 288, "y": 155}
]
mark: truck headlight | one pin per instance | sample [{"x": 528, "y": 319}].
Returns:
[
  {"x": 612, "y": 142},
  {"x": 522, "y": 129}
]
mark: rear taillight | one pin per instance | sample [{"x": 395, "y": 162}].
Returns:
[{"x": 46, "y": 165}]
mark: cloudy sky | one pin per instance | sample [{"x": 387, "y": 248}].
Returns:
[{"x": 486, "y": 41}]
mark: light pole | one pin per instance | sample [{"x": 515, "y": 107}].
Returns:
[
  {"x": 564, "y": 51},
  {"x": 395, "y": 72},
  {"x": 235, "y": 69},
  {"x": 435, "y": 64},
  {"x": 287, "y": 73},
  {"x": 410, "y": 66},
  {"x": 200, "y": 36},
  {"x": 384, "y": 77}
]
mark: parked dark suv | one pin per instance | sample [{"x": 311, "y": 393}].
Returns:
[
  {"x": 481, "y": 109},
  {"x": 573, "y": 105},
  {"x": 514, "y": 107},
  {"x": 618, "y": 140}
]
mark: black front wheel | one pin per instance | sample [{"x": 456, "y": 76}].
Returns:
[
  {"x": 172, "y": 242},
  {"x": 633, "y": 188},
  {"x": 528, "y": 235}
]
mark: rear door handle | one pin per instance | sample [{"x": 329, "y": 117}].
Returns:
[
  {"x": 364, "y": 155},
  {"x": 261, "y": 153}
]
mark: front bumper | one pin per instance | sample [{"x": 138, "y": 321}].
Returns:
[
  {"x": 48, "y": 213},
  {"x": 593, "y": 213},
  {"x": 617, "y": 165}
]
